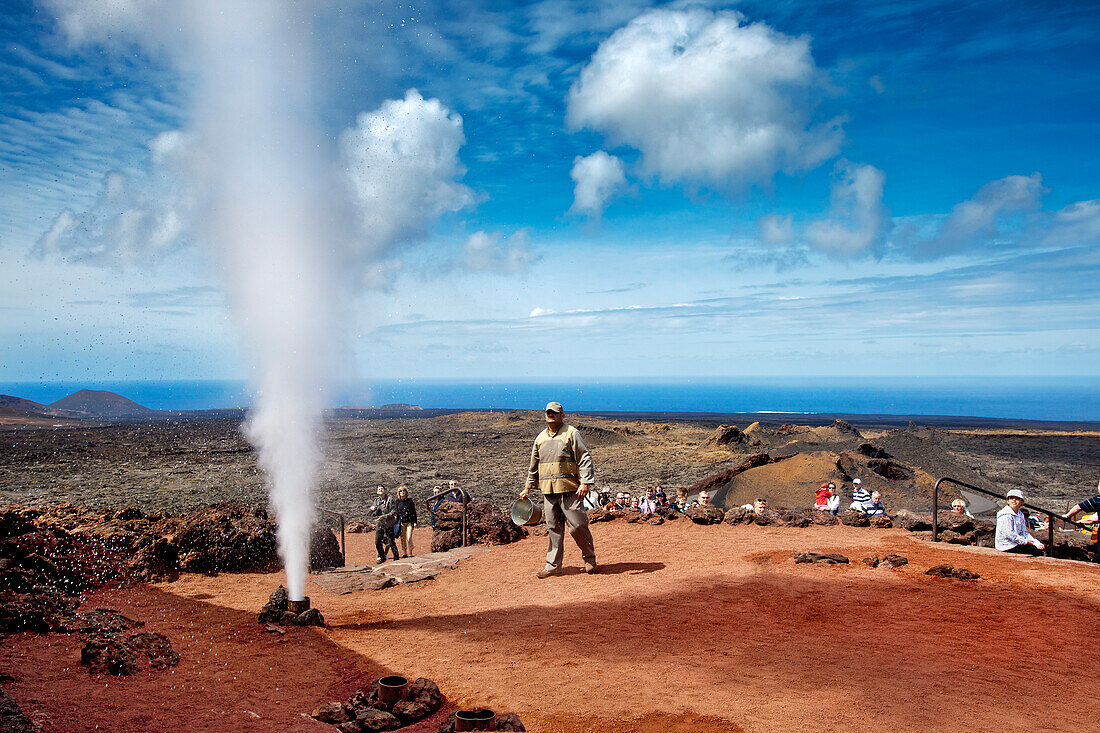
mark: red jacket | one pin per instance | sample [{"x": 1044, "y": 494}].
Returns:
[{"x": 822, "y": 497}]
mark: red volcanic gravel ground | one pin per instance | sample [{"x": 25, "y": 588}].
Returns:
[{"x": 686, "y": 628}]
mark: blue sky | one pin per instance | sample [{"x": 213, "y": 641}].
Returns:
[{"x": 609, "y": 189}]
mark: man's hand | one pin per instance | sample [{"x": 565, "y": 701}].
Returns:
[
  {"x": 523, "y": 494},
  {"x": 583, "y": 490}
]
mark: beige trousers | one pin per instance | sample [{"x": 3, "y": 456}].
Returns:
[
  {"x": 560, "y": 511},
  {"x": 405, "y": 539}
]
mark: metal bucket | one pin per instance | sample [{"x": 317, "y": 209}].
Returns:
[
  {"x": 479, "y": 719},
  {"x": 526, "y": 512}
]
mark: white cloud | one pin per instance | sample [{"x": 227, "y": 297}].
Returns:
[
  {"x": 776, "y": 229},
  {"x": 596, "y": 179},
  {"x": 706, "y": 97},
  {"x": 403, "y": 166},
  {"x": 484, "y": 252},
  {"x": 979, "y": 221},
  {"x": 856, "y": 223},
  {"x": 132, "y": 222},
  {"x": 1078, "y": 223}
]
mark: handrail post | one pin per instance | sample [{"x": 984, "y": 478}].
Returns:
[
  {"x": 464, "y": 502},
  {"x": 936, "y": 511},
  {"x": 1050, "y": 535}
]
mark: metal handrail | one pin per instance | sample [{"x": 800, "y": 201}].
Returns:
[
  {"x": 343, "y": 544},
  {"x": 1051, "y": 516},
  {"x": 442, "y": 498}
]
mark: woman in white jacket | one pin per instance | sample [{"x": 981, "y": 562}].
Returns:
[{"x": 1012, "y": 534}]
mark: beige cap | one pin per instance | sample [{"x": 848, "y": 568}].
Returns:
[{"x": 554, "y": 407}]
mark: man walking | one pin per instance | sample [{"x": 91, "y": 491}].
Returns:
[
  {"x": 561, "y": 467},
  {"x": 385, "y": 518}
]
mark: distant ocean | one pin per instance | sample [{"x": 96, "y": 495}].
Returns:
[{"x": 1026, "y": 398}]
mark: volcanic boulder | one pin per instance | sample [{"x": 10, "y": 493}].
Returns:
[
  {"x": 38, "y": 611},
  {"x": 227, "y": 537},
  {"x": 825, "y": 519},
  {"x": 486, "y": 524},
  {"x": 881, "y": 521},
  {"x": 705, "y": 514},
  {"x": 420, "y": 699},
  {"x": 12, "y": 719},
  {"x": 740, "y": 515},
  {"x": 913, "y": 521},
  {"x": 119, "y": 655},
  {"x": 950, "y": 571},
  {"x": 324, "y": 550},
  {"x": 332, "y": 713},
  {"x": 156, "y": 560},
  {"x": 853, "y": 518},
  {"x": 790, "y": 518},
  {"x": 276, "y": 606},
  {"x": 893, "y": 560},
  {"x": 820, "y": 557}
]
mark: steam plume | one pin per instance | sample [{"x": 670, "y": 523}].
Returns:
[
  {"x": 266, "y": 203},
  {"x": 271, "y": 222}
]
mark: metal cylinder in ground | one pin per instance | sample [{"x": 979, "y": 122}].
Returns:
[
  {"x": 297, "y": 607},
  {"x": 476, "y": 719},
  {"x": 391, "y": 689}
]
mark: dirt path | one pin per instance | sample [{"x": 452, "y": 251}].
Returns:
[{"x": 686, "y": 628}]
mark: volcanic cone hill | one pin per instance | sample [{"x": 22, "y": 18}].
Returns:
[
  {"x": 22, "y": 405},
  {"x": 98, "y": 404}
]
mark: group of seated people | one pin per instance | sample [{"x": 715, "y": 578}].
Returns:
[
  {"x": 827, "y": 499},
  {"x": 648, "y": 502}
]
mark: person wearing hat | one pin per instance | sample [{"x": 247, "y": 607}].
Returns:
[
  {"x": 1090, "y": 505},
  {"x": 561, "y": 467},
  {"x": 860, "y": 497},
  {"x": 1012, "y": 534}
]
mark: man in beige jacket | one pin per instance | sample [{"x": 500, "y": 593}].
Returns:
[{"x": 561, "y": 467}]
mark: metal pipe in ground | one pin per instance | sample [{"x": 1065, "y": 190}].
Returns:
[{"x": 476, "y": 719}]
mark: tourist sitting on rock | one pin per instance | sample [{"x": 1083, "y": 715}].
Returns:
[
  {"x": 453, "y": 493},
  {"x": 859, "y": 496},
  {"x": 660, "y": 497},
  {"x": 959, "y": 507},
  {"x": 406, "y": 520},
  {"x": 826, "y": 499},
  {"x": 647, "y": 505},
  {"x": 1012, "y": 534},
  {"x": 874, "y": 506},
  {"x": 384, "y": 512},
  {"x": 634, "y": 503},
  {"x": 622, "y": 501},
  {"x": 758, "y": 507},
  {"x": 1090, "y": 505},
  {"x": 704, "y": 498},
  {"x": 681, "y": 505}
]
